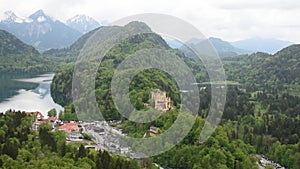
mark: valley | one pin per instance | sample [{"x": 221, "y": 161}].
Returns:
[{"x": 259, "y": 128}]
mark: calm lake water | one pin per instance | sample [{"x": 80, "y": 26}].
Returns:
[{"x": 26, "y": 93}]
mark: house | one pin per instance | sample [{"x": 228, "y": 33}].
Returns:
[
  {"x": 72, "y": 131},
  {"x": 39, "y": 119},
  {"x": 69, "y": 127},
  {"x": 153, "y": 131},
  {"x": 37, "y": 124},
  {"x": 124, "y": 150},
  {"x": 52, "y": 119},
  {"x": 161, "y": 101},
  {"x": 99, "y": 130},
  {"x": 39, "y": 116}
]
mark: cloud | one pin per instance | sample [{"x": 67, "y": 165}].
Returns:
[
  {"x": 259, "y": 4},
  {"x": 227, "y": 19}
]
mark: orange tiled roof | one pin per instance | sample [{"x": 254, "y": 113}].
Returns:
[
  {"x": 51, "y": 119},
  {"x": 69, "y": 127},
  {"x": 37, "y": 114}
]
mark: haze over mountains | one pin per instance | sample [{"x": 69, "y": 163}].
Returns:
[
  {"x": 231, "y": 49},
  {"x": 44, "y": 32},
  {"x": 224, "y": 49},
  {"x": 270, "y": 45}
]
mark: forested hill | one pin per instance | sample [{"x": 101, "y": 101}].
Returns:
[
  {"x": 261, "y": 115},
  {"x": 70, "y": 53},
  {"x": 62, "y": 82},
  {"x": 11, "y": 45},
  {"x": 16, "y": 56},
  {"x": 279, "y": 69}
]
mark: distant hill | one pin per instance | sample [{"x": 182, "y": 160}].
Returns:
[
  {"x": 175, "y": 44},
  {"x": 16, "y": 56},
  {"x": 70, "y": 53},
  {"x": 261, "y": 68},
  {"x": 40, "y": 30},
  {"x": 223, "y": 48},
  {"x": 262, "y": 45},
  {"x": 82, "y": 23}
]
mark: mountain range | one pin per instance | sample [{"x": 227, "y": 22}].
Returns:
[
  {"x": 44, "y": 32},
  {"x": 230, "y": 49},
  {"x": 270, "y": 45},
  {"x": 223, "y": 48},
  {"x": 261, "y": 68},
  {"x": 70, "y": 53}
]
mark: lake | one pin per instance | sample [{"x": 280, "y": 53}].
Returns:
[{"x": 27, "y": 92}]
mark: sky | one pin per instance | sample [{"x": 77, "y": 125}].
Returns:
[{"x": 230, "y": 20}]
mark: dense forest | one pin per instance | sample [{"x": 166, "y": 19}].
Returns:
[
  {"x": 18, "y": 57},
  {"x": 142, "y": 84},
  {"x": 261, "y": 114},
  {"x": 22, "y": 147}
]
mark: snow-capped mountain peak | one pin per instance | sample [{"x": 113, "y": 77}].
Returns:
[
  {"x": 81, "y": 19},
  {"x": 39, "y": 30},
  {"x": 40, "y": 16},
  {"x": 37, "y": 14},
  {"x": 82, "y": 23},
  {"x": 11, "y": 17}
]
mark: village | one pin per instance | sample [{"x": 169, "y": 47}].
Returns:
[
  {"x": 96, "y": 135},
  {"x": 99, "y": 135}
]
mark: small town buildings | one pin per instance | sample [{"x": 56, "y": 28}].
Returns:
[
  {"x": 38, "y": 120},
  {"x": 72, "y": 131},
  {"x": 52, "y": 119},
  {"x": 99, "y": 130},
  {"x": 39, "y": 116},
  {"x": 266, "y": 162},
  {"x": 124, "y": 150}
]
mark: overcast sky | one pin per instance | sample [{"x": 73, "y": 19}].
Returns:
[{"x": 228, "y": 19}]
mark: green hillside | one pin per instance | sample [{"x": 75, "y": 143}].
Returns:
[
  {"x": 16, "y": 56},
  {"x": 70, "y": 53},
  {"x": 62, "y": 82},
  {"x": 261, "y": 113},
  {"x": 259, "y": 68}
]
